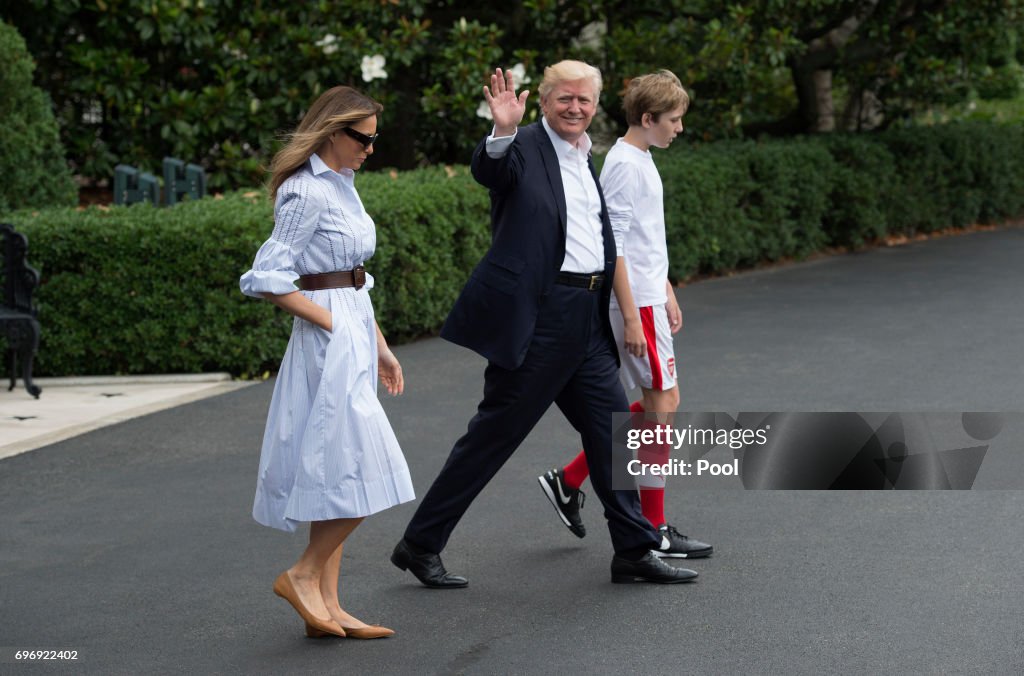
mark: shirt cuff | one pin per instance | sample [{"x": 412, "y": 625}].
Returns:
[
  {"x": 255, "y": 283},
  {"x": 497, "y": 147},
  {"x": 620, "y": 248}
]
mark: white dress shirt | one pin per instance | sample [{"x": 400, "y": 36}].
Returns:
[{"x": 584, "y": 242}]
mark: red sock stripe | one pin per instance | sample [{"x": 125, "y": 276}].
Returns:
[
  {"x": 576, "y": 472},
  {"x": 647, "y": 322},
  {"x": 652, "y": 502}
]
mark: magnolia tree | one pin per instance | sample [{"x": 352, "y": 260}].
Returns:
[
  {"x": 818, "y": 65},
  {"x": 220, "y": 82}
]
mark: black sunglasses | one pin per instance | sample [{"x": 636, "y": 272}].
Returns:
[{"x": 360, "y": 137}]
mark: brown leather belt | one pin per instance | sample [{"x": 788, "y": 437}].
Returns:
[{"x": 339, "y": 279}]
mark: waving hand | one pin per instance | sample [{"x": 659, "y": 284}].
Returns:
[{"x": 507, "y": 109}]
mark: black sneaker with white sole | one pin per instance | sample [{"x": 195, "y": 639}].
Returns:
[
  {"x": 675, "y": 545},
  {"x": 567, "y": 501}
]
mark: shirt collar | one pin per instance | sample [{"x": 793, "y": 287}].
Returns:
[
  {"x": 320, "y": 167},
  {"x": 630, "y": 148},
  {"x": 563, "y": 147}
]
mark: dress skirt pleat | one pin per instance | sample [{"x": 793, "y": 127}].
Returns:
[{"x": 329, "y": 451}]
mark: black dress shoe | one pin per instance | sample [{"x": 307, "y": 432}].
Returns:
[
  {"x": 427, "y": 567},
  {"x": 648, "y": 569}
]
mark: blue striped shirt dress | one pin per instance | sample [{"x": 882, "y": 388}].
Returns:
[{"x": 328, "y": 449}]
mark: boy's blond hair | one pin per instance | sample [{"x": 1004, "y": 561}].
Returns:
[{"x": 654, "y": 93}]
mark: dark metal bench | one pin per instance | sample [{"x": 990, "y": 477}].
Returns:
[{"x": 18, "y": 315}]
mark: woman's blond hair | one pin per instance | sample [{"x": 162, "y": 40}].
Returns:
[
  {"x": 336, "y": 108},
  {"x": 654, "y": 93}
]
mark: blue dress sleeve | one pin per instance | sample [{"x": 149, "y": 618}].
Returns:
[{"x": 296, "y": 215}]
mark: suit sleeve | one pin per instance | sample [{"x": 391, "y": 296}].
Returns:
[{"x": 497, "y": 163}]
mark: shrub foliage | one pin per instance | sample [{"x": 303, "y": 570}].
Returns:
[
  {"x": 215, "y": 81},
  {"x": 145, "y": 290},
  {"x": 32, "y": 167}
]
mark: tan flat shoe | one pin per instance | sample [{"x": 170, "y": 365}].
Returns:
[
  {"x": 373, "y": 631},
  {"x": 315, "y": 627},
  {"x": 313, "y": 632}
]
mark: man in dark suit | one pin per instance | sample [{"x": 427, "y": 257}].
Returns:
[{"x": 536, "y": 307}]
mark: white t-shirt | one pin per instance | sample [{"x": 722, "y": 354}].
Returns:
[{"x": 633, "y": 193}]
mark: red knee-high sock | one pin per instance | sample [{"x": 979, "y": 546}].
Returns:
[
  {"x": 652, "y": 503},
  {"x": 577, "y": 471},
  {"x": 652, "y": 499}
]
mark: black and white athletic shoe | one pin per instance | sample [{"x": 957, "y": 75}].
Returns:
[
  {"x": 567, "y": 501},
  {"x": 675, "y": 545}
]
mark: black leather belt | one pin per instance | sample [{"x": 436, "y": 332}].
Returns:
[{"x": 589, "y": 281}]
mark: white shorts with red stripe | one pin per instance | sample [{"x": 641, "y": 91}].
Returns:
[{"x": 656, "y": 370}]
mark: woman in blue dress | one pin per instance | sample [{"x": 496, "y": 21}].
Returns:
[{"x": 329, "y": 455}]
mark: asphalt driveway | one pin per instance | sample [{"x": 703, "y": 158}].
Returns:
[{"x": 134, "y": 545}]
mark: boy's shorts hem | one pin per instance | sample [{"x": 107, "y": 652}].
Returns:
[{"x": 657, "y": 369}]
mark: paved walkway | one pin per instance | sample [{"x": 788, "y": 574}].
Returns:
[
  {"x": 72, "y": 406},
  {"x": 133, "y": 544}
]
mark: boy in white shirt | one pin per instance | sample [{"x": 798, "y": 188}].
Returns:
[{"x": 644, "y": 311}]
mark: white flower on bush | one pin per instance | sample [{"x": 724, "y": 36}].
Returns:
[
  {"x": 484, "y": 111},
  {"x": 326, "y": 43},
  {"x": 373, "y": 68},
  {"x": 93, "y": 114},
  {"x": 235, "y": 52},
  {"x": 519, "y": 76}
]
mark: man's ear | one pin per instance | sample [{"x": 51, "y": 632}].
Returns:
[{"x": 646, "y": 120}]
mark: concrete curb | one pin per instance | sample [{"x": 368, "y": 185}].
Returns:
[
  {"x": 58, "y": 428},
  {"x": 157, "y": 379}
]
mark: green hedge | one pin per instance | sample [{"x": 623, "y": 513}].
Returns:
[
  {"x": 734, "y": 204},
  {"x": 145, "y": 290}
]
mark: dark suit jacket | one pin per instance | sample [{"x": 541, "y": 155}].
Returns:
[{"x": 496, "y": 312}]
